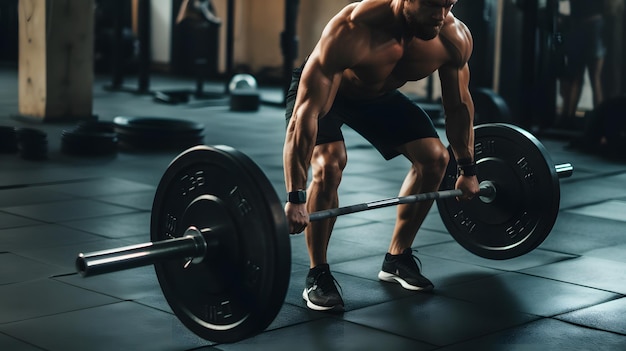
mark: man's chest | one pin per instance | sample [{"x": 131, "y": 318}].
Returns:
[{"x": 396, "y": 62}]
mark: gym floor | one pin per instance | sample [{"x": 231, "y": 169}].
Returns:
[{"x": 569, "y": 294}]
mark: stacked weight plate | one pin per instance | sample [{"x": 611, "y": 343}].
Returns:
[
  {"x": 90, "y": 139},
  {"x": 32, "y": 144},
  {"x": 8, "y": 140},
  {"x": 155, "y": 133}
]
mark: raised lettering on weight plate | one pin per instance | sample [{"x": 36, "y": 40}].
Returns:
[
  {"x": 242, "y": 204},
  {"x": 191, "y": 182},
  {"x": 218, "y": 313},
  {"x": 518, "y": 227},
  {"x": 465, "y": 221},
  {"x": 487, "y": 147},
  {"x": 527, "y": 171}
]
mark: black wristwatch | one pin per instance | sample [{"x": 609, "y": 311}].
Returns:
[
  {"x": 466, "y": 167},
  {"x": 297, "y": 197}
]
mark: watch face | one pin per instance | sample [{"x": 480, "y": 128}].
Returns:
[
  {"x": 301, "y": 196},
  {"x": 297, "y": 197}
]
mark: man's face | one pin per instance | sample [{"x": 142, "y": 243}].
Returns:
[{"x": 425, "y": 17}]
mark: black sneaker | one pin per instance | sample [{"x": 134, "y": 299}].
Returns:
[
  {"x": 404, "y": 270},
  {"x": 320, "y": 292}
]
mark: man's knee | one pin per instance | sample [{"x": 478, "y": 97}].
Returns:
[
  {"x": 438, "y": 160},
  {"x": 328, "y": 164},
  {"x": 328, "y": 173},
  {"x": 429, "y": 158}
]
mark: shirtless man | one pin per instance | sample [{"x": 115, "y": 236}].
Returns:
[{"x": 366, "y": 52}]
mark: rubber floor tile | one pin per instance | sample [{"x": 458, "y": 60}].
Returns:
[
  {"x": 326, "y": 334},
  {"x": 545, "y": 334},
  {"x": 45, "y": 297},
  {"x": 12, "y": 221},
  {"x": 436, "y": 320},
  {"x": 130, "y": 284},
  {"x": 586, "y": 271},
  {"x": 454, "y": 251},
  {"x": 613, "y": 210},
  {"x": 13, "y": 344},
  {"x": 15, "y": 269},
  {"x": 56, "y": 212},
  {"x": 28, "y": 195},
  {"x": 116, "y": 226},
  {"x": 529, "y": 294},
  {"x": 577, "y": 234},
  {"x": 378, "y": 235},
  {"x": 338, "y": 251},
  {"x": 41, "y": 236},
  {"x": 120, "y": 326},
  {"x": 65, "y": 255},
  {"x": 592, "y": 191},
  {"x": 99, "y": 187},
  {"x": 613, "y": 253},
  {"x": 140, "y": 200}
]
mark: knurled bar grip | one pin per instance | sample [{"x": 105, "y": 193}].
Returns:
[
  {"x": 191, "y": 246},
  {"x": 444, "y": 194}
]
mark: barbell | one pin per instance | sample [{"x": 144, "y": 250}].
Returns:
[{"x": 220, "y": 244}]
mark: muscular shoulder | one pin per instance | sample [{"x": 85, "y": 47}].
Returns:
[
  {"x": 361, "y": 16},
  {"x": 372, "y": 13},
  {"x": 458, "y": 40},
  {"x": 350, "y": 31}
]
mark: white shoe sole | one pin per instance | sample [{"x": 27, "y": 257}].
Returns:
[
  {"x": 315, "y": 307},
  {"x": 392, "y": 278}
]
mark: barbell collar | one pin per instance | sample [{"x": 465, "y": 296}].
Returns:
[
  {"x": 192, "y": 247},
  {"x": 564, "y": 170}
]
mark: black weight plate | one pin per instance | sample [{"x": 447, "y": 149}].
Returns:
[
  {"x": 527, "y": 199},
  {"x": 489, "y": 107},
  {"x": 27, "y": 135},
  {"x": 155, "y": 133},
  {"x": 156, "y": 125},
  {"x": 8, "y": 139},
  {"x": 88, "y": 142},
  {"x": 96, "y": 126},
  {"x": 146, "y": 142},
  {"x": 240, "y": 286}
]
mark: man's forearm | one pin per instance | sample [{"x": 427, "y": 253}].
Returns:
[
  {"x": 460, "y": 132},
  {"x": 297, "y": 153}
]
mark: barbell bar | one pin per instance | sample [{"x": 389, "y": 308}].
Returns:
[
  {"x": 220, "y": 244},
  {"x": 193, "y": 245}
]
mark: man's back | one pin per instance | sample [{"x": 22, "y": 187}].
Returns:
[{"x": 377, "y": 50}]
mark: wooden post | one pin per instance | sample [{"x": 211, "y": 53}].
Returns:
[{"x": 56, "y": 59}]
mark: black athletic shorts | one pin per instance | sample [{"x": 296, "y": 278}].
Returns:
[{"x": 386, "y": 122}]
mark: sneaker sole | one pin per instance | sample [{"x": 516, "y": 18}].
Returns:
[
  {"x": 315, "y": 307},
  {"x": 392, "y": 278}
]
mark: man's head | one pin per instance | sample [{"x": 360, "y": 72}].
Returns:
[{"x": 425, "y": 18}]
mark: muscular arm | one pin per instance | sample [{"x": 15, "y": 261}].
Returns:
[
  {"x": 317, "y": 90},
  {"x": 459, "y": 110},
  {"x": 457, "y": 101}
]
